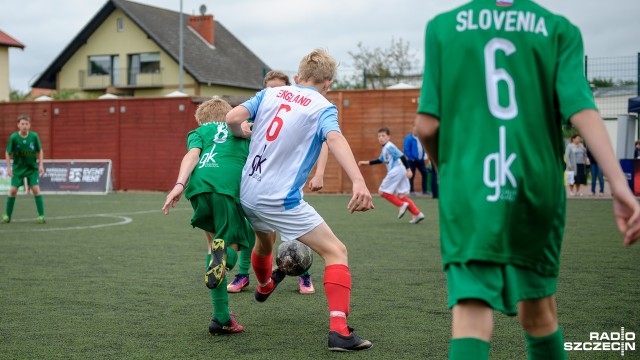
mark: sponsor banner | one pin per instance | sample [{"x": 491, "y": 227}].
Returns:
[
  {"x": 67, "y": 177},
  {"x": 76, "y": 176},
  {"x": 622, "y": 342}
]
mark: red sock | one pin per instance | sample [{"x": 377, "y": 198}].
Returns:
[
  {"x": 413, "y": 209},
  {"x": 262, "y": 268},
  {"x": 337, "y": 287},
  {"x": 392, "y": 199}
]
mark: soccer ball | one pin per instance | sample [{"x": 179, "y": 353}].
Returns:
[{"x": 294, "y": 257}]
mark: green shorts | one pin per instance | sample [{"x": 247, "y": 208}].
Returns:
[
  {"x": 222, "y": 216},
  {"x": 501, "y": 286},
  {"x": 17, "y": 179}
]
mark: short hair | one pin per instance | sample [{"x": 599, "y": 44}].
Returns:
[
  {"x": 574, "y": 136},
  {"x": 276, "y": 75},
  {"x": 24, "y": 117},
  {"x": 317, "y": 66},
  {"x": 212, "y": 110},
  {"x": 384, "y": 130}
]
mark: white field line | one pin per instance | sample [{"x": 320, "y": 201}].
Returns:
[{"x": 123, "y": 220}]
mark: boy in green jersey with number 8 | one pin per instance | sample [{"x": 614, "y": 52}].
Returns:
[{"x": 209, "y": 176}]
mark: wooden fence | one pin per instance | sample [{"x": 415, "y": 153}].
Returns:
[{"x": 145, "y": 137}]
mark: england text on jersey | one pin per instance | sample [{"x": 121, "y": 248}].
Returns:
[
  {"x": 509, "y": 21},
  {"x": 294, "y": 98}
]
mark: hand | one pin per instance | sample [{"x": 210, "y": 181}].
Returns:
[
  {"x": 172, "y": 198},
  {"x": 9, "y": 171},
  {"x": 363, "y": 162},
  {"x": 316, "y": 183},
  {"x": 41, "y": 169},
  {"x": 361, "y": 199},
  {"x": 246, "y": 129},
  {"x": 409, "y": 173},
  {"x": 627, "y": 213}
]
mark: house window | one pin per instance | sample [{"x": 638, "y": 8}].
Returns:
[
  {"x": 102, "y": 64},
  {"x": 120, "y": 25},
  {"x": 105, "y": 65},
  {"x": 145, "y": 63}
]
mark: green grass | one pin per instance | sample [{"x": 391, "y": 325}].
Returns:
[{"x": 80, "y": 287}]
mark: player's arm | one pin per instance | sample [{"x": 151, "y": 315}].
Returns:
[
  {"x": 41, "y": 162},
  {"x": 317, "y": 181},
  {"x": 189, "y": 162},
  {"x": 369, "y": 162},
  {"x": 7, "y": 158},
  {"x": 405, "y": 163},
  {"x": 235, "y": 119},
  {"x": 361, "y": 199},
  {"x": 428, "y": 127},
  {"x": 625, "y": 206}
]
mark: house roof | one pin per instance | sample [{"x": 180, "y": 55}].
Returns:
[
  {"x": 228, "y": 63},
  {"x": 6, "y": 40}
]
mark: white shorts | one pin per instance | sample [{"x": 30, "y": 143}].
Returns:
[
  {"x": 290, "y": 224},
  {"x": 396, "y": 182}
]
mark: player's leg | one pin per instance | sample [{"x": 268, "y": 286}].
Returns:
[
  {"x": 388, "y": 188},
  {"x": 539, "y": 319},
  {"x": 232, "y": 229},
  {"x": 16, "y": 182},
  {"x": 241, "y": 279},
  {"x": 35, "y": 188},
  {"x": 262, "y": 260},
  {"x": 337, "y": 286},
  {"x": 401, "y": 189},
  {"x": 471, "y": 329},
  {"x": 305, "y": 284}
]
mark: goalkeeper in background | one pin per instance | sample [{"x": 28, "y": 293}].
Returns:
[{"x": 25, "y": 149}]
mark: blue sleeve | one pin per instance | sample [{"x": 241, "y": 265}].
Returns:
[
  {"x": 327, "y": 122},
  {"x": 381, "y": 157},
  {"x": 397, "y": 154},
  {"x": 408, "y": 147},
  {"x": 254, "y": 103}
]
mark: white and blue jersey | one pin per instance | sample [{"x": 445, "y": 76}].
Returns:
[
  {"x": 290, "y": 125},
  {"x": 390, "y": 156},
  {"x": 396, "y": 181}
]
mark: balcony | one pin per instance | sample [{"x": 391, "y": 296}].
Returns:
[{"x": 121, "y": 78}]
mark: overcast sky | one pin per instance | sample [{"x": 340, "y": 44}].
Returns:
[{"x": 280, "y": 32}]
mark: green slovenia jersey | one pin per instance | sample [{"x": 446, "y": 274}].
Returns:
[
  {"x": 501, "y": 76},
  {"x": 24, "y": 152},
  {"x": 222, "y": 158}
]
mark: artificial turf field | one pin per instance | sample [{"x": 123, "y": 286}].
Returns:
[{"x": 110, "y": 277}]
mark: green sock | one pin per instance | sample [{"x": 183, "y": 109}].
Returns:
[
  {"x": 468, "y": 349},
  {"x": 219, "y": 299},
  {"x": 11, "y": 200},
  {"x": 549, "y": 347},
  {"x": 39, "y": 204},
  {"x": 232, "y": 258},
  {"x": 244, "y": 262}
]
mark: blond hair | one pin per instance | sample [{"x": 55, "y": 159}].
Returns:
[
  {"x": 276, "y": 75},
  {"x": 212, "y": 110},
  {"x": 317, "y": 67}
]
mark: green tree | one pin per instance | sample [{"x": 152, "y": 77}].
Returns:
[
  {"x": 378, "y": 68},
  {"x": 17, "y": 95}
]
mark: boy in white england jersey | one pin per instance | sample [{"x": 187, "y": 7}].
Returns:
[
  {"x": 395, "y": 186},
  {"x": 290, "y": 125},
  {"x": 275, "y": 78}
]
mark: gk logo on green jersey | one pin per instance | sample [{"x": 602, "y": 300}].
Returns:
[
  {"x": 497, "y": 170},
  {"x": 207, "y": 159}
]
